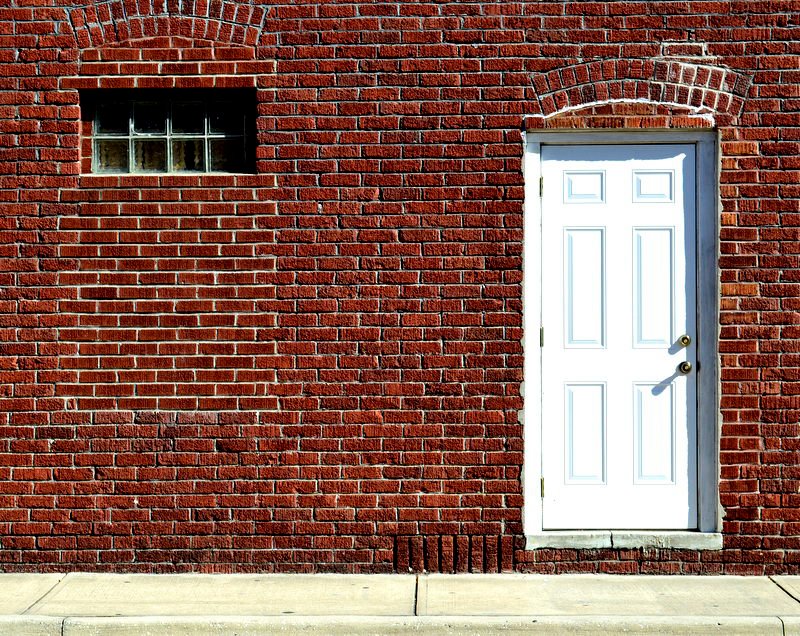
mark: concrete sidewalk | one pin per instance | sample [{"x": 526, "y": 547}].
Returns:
[{"x": 132, "y": 604}]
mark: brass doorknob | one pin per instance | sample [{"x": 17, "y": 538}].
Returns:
[
  {"x": 685, "y": 340},
  {"x": 685, "y": 367}
]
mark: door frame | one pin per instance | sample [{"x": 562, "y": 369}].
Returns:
[{"x": 706, "y": 143}]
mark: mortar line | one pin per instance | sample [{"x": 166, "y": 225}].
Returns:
[{"x": 41, "y": 598}]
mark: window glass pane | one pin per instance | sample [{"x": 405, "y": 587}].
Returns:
[
  {"x": 227, "y": 155},
  {"x": 188, "y": 118},
  {"x": 172, "y": 131},
  {"x": 226, "y": 117},
  {"x": 112, "y": 119},
  {"x": 150, "y": 155},
  {"x": 149, "y": 117},
  {"x": 188, "y": 155},
  {"x": 112, "y": 155}
]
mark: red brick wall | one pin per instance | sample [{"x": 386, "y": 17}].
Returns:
[{"x": 318, "y": 367}]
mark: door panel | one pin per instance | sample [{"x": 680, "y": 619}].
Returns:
[
  {"x": 584, "y": 295},
  {"x": 654, "y": 433},
  {"x": 653, "y": 287},
  {"x": 618, "y": 291},
  {"x": 586, "y": 433}
]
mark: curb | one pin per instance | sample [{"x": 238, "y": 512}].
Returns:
[{"x": 340, "y": 626}]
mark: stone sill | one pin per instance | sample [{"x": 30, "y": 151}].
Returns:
[{"x": 592, "y": 539}]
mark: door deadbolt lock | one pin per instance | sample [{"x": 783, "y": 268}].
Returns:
[
  {"x": 685, "y": 340},
  {"x": 685, "y": 367}
]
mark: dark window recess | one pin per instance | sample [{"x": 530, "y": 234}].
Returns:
[{"x": 171, "y": 131}]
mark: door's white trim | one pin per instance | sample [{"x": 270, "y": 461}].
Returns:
[
  {"x": 708, "y": 420},
  {"x": 531, "y": 325}
]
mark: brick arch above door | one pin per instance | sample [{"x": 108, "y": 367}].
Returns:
[
  {"x": 625, "y": 114},
  {"x": 685, "y": 87}
]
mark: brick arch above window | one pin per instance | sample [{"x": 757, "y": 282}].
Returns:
[
  {"x": 700, "y": 87},
  {"x": 227, "y": 22}
]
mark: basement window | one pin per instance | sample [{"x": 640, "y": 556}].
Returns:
[{"x": 170, "y": 131}]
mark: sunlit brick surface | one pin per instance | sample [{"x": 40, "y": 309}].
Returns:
[{"x": 318, "y": 367}]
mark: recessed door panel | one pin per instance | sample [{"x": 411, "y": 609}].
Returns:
[
  {"x": 653, "y": 288},
  {"x": 654, "y": 433},
  {"x": 653, "y": 186},
  {"x": 584, "y": 186},
  {"x": 586, "y": 432},
  {"x": 584, "y": 285}
]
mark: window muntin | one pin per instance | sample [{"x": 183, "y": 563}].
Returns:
[{"x": 171, "y": 132}]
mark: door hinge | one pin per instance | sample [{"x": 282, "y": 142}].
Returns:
[
  {"x": 542, "y": 484},
  {"x": 541, "y": 186},
  {"x": 541, "y": 336}
]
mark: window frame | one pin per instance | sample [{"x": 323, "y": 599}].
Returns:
[{"x": 92, "y": 101}]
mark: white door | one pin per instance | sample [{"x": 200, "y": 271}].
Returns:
[{"x": 618, "y": 296}]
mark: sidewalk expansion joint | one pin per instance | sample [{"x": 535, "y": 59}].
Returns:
[
  {"x": 783, "y": 589},
  {"x": 43, "y": 596}
]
